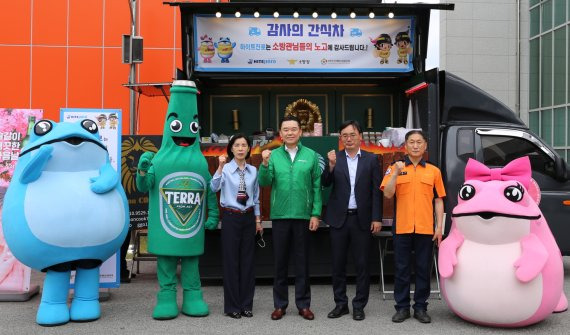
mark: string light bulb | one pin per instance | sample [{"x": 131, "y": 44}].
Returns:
[
  {"x": 333, "y": 15},
  {"x": 296, "y": 14},
  {"x": 315, "y": 15},
  {"x": 371, "y": 15},
  {"x": 256, "y": 14},
  {"x": 352, "y": 15},
  {"x": 238, "y": 14},
  {"x": 276, "y": 14},
  {"x": 218, "y": 15},
  {"x": 391, "y": 15}
]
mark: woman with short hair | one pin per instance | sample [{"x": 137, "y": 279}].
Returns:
[{"x": 239, "y": 199}]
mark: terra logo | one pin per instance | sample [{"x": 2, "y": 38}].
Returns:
[
  {"x": 181, "y": 203},
  {"x": 324, "y": 61}
]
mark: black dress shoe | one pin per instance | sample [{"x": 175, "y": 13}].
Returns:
[
  {"x": 234, "y": 315},
  {"x": 358, "y": 314},
  {"x": 401, "y": 315},
  {"x": 422, "y": 316},
  {"x": 338, "y": 311},
  {"x": 247, "y": 314}
]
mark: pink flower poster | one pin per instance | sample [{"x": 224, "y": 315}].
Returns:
[{"x": 16, "y": 126}]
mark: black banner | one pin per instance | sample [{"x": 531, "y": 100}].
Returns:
[{"x": 132, "y": 147}]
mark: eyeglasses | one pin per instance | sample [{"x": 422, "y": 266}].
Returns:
[{"x": 347, "y": 136}]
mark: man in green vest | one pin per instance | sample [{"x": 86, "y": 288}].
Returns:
[
  {"x": 177, "y": 179},
  {"x": 294, "y": 175}
]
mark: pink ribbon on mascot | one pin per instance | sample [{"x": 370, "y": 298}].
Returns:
[{"x": 518, "y": 169}]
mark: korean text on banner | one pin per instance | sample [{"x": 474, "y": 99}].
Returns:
[{"x": 16, "y": 126}]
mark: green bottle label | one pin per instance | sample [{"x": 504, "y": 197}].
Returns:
[{"x": 182, "y": 203}]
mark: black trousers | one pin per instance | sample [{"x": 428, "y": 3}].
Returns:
[
  {"x": 350, "y": 235},
  {"x": 422, "y": 245},
  {"x": 238, "y": 252},
  {"x": 286, "y": 234},
  {"x": 123, "y": 255}
]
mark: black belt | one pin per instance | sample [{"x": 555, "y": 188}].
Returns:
[
  {"x": 353, "y": 211},
  {"x": 237, "y": 211}
]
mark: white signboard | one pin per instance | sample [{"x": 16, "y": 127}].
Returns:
[
  {"x": 304, "y": 44},
  {"x": 109, "y": 123}
]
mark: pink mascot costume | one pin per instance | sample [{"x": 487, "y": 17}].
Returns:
[{"x": 500, "y": 265}]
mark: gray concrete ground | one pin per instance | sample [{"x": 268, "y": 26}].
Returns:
[{"x": 128, "y": 311}]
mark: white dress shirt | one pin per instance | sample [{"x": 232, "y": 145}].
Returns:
[{"x": 352, "y": 166}]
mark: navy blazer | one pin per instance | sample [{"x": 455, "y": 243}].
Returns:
[{"x": 366, "y": 190}]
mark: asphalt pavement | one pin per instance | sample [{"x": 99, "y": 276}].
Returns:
[{"x": 128, "y": 311}]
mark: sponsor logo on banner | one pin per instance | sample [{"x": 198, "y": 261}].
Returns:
[{"x": 181, "y": 203}]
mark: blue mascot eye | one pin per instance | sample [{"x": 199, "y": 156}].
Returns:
[
  {"x": 42, "y": 127},
  {"x": 90, "y": 126},
  {"x": 466, "y": 192},
  {"x": 514, "y": 193}
]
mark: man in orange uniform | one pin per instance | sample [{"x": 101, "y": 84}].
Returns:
[{"x": 415, "y": 183}]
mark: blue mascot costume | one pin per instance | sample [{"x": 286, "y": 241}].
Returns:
[{"x": 65, "y": 210}]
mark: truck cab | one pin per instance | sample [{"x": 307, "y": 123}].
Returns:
[{"x": 475, "y": 125}]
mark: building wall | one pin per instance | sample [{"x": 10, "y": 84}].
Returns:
[
  {"x": 67, "y": 53},
  {"x": 549, "y": 75},
  {"x": 478, "y": 42}
]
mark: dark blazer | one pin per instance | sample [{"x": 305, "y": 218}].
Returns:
[{"x": 366, "y": 190}]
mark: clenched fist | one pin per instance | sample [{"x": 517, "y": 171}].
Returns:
[
  {"x": 145, "y": 161},
  {"x": 332, "y": 159},
  {"x": 398, "y": 167},
  {"x": 265, "y": 156},
  {"x": 222, "y": 159},
  {"x": 221, "y": 162}
]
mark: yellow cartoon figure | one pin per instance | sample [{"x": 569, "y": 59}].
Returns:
[
  {"x": 113, "y": 121},
  {"x": 383, "y": 44},
  {"x": 403, "y": 43},
  {"x": 102, "y": 121},
  {"x": 206, "y": 48}
]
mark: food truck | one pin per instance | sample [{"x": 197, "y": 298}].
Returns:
[{"x": 330, "y": 61}]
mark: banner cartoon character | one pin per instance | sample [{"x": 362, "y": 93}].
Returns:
[
  {"x": 500, "y": 265},
  {"x": 177, "y": 180},
  {"x": 65, "y": 210},
  {"x": 403, "y": 43},
  {"x": 206, "y": 48},
  {"x": 225, "y": 49},
  {"x": 113, "y": 121},
  {"x": 102, "y": 121},
  {"x": 383, "y": 44}
]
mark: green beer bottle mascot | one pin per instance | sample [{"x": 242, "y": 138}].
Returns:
[{"x": 177, "y": 180}]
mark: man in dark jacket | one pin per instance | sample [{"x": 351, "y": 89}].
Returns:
[
  {"x": 293, "y": 173},
  {"x": 354, "y": 212}
]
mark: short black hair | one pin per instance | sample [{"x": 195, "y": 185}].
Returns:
[
  {"x": 353, "y": 123},
  {"x": 416, "y": 131},
  {"x": 233, "y": 139},
  {"x": 289, "y": 118}
]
